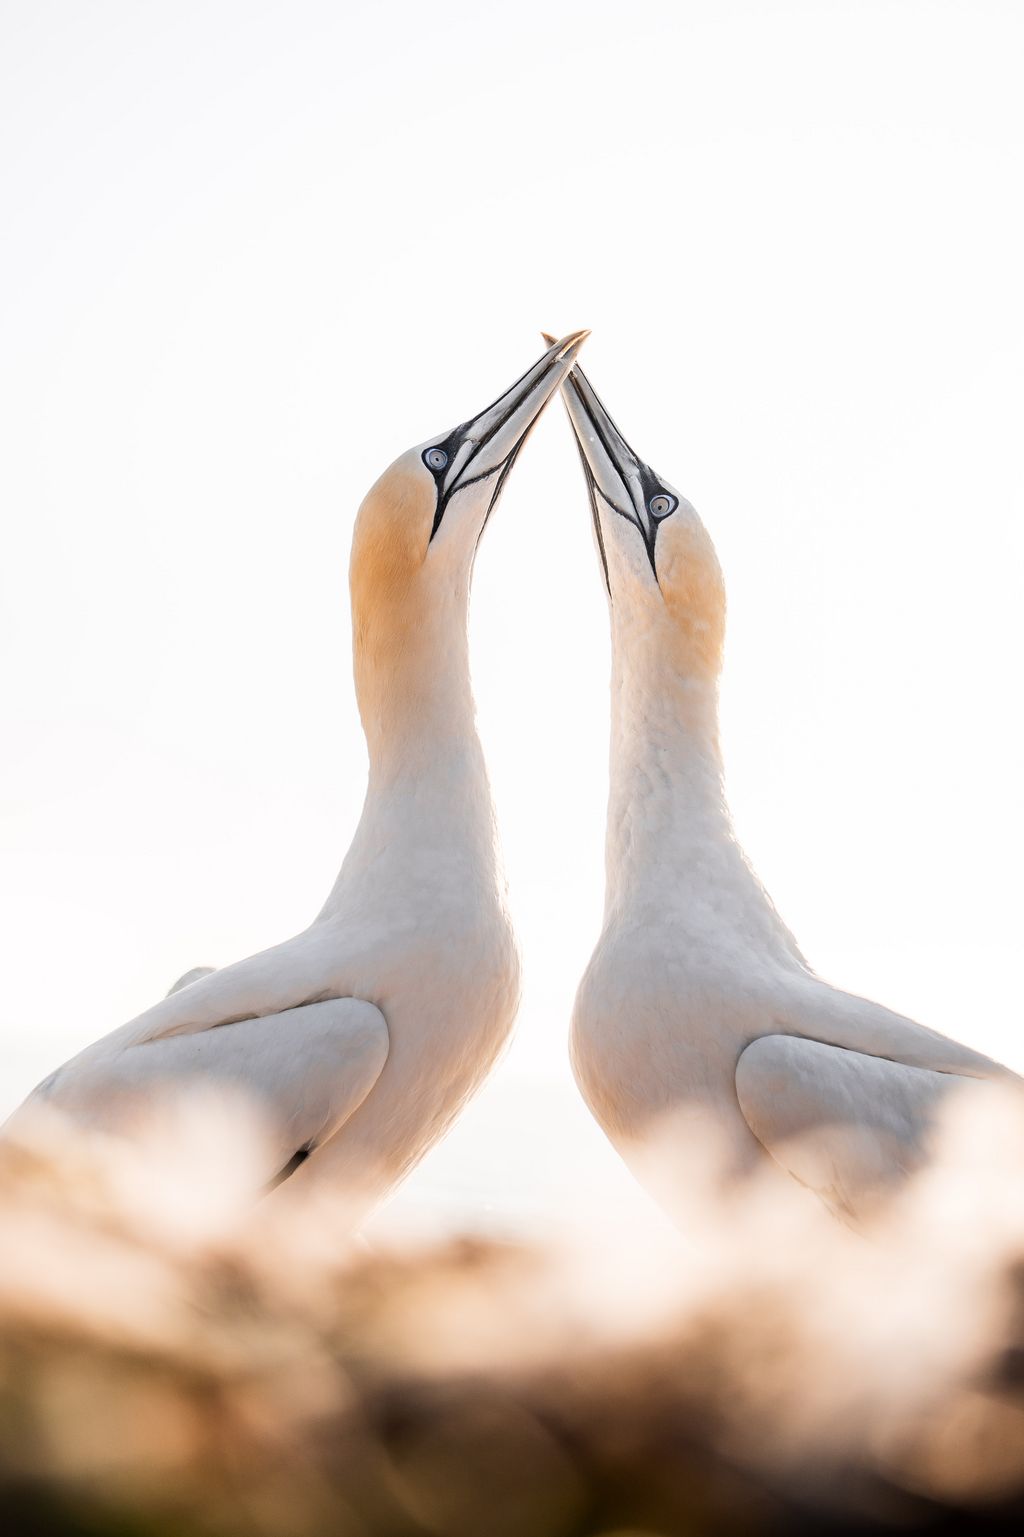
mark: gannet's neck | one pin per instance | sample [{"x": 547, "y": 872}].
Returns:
[
  {"x": 666, "y": 803},
  {"x": 427, "y": 824},
  {"x": 670, "y": 847},
  {"x": 414, "y": 692},
  {"x": 428, "y": 817}
]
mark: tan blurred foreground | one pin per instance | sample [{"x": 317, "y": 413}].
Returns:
[{"x": 173, "y": 1362}]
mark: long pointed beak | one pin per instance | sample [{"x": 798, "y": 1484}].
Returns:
[
  {"x": 618, "y": 481},
  {"x": 489, "y": 443}
]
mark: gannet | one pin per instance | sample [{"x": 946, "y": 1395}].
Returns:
[
  {"x": 697, "y": 997},
  {"x": 362, "y": 1037}
]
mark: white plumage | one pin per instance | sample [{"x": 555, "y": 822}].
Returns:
[
  {"x": 697, "y": 997},
  {"x": 363, "y": 1036}
]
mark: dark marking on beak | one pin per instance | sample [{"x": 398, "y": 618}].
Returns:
[
  {"x": 622, "y": 460},
  {"x": 510, "y": 418}
]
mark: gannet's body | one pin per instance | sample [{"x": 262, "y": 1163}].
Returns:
[
  {"x": 364, "y": 1035},
  {"x": 697, "y": 997}
]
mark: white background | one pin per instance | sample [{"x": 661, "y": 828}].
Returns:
[{"x": 253, "y": 251}]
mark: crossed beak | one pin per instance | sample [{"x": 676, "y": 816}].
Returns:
[
  {"x": 618, "y": 481},
  {"x": 487, "y": 445}
]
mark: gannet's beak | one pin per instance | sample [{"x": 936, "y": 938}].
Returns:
[
  {"x": 616, "y": 478},
  {"x": 487, "y": 445}
]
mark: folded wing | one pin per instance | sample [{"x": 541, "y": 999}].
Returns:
[
  {"x": 305, "y": 1069},
  {"x": 848, "y": 1125}
]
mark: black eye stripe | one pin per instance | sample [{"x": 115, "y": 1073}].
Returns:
[
  {"x": 653, "y": 497},
  {"x": 449, "y": 447}
]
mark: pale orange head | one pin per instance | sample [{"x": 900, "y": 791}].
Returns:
[
  {"x": 657, "y": 559},
  {"x": 417, "y": 533}
]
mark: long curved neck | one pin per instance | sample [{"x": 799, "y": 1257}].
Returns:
[
  {"x": 666, "y": 806},
  {"x": 671, "y": 848},
  {"x": 428, "y": 804},
  {"x": 414, "y": 692}
]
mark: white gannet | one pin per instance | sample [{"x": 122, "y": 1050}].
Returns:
[
  {"x": 362, "y": 1037},
  {"x": 696, "y": 996}
]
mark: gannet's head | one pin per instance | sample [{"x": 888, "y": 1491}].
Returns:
[
  {"x": 424, "y": 517},
  {"x": 418, "y": 528},
  {"x": 657, "y": 558}
]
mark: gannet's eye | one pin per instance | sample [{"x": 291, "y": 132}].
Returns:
[
  {"x": 435, "y": 458},
  {"x": 661, "y": 506}
]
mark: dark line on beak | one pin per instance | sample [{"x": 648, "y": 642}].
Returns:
[
  {"x": 503, "y": 466},
  {"x": 506, "y": 417},
  {"x": 630, "y": 517},
  {"x": 476, "y": 479},
  {"x": 505, "y": 470},
  {"x": 623, "y": 512},
  {"x": 613, "y": 456},
  {"x": 595, "y": 515},
  {"x": 595, "y": 489}
]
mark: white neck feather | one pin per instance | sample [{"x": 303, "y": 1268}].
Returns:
[
  {"x": 428, "y": 816},
  {"x": 420, "y": 721},
  {"x": 666, "y": 803},
  {"x": 671, "y": 847}
]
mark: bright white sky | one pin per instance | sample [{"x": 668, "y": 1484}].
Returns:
[{"x": 252, "y": 251}]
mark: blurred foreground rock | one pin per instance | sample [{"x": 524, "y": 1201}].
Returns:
[{"x": 173, "y": 1363}]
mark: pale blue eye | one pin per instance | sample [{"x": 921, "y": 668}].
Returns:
[
  {"x": 435, "y": 458},
  {"x": 661, "y": 506}
]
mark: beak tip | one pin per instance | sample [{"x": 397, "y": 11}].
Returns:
[{"x": 570, "y": 347}]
